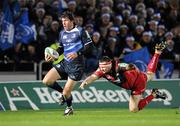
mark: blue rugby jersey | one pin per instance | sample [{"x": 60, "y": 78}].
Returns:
[{"x": 74, "y": 40}]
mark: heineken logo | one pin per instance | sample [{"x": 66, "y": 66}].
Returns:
[{"x": 36, "y": 96}]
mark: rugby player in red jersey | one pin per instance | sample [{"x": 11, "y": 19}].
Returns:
[{"x": 129, "y": 77}]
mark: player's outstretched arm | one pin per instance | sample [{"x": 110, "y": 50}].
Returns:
[{"x": 88, "y": 81}]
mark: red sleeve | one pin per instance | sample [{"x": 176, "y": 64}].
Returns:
[{"x": 99, "y": 73}]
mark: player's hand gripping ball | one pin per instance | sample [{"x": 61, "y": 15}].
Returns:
[{"x": 51, "y": 52}]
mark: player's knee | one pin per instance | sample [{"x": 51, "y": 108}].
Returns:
[
  {"x": 47, "y": 82},
  {"x": 134, "y": 109},
  {"x": 66, "y": 92}
]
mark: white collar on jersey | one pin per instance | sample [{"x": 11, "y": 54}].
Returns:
[{"x": 75, "y": 29}]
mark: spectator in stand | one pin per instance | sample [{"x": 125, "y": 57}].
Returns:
[
  {"x": 42, "y": 29},
  {"x": 138, "y": 33},
  {"x": 142, "y": 21},
  {"x": 112, "y": 42},
  {"x": 168, "y": 58},
  {"x": 79, "y": 20},
  {"x": 140, "y": 10},
  {"x": 105, "y": 24},
  {"x": 147, "y": 41},
  {"x": 169, "y": 36},
  {"x": 92, "y": 58},
  {"x": 118, "y": 20},
  {"x": 55, "y": 9},
  {"x": 126, "y": 14},
  {"x": 124, "y": 31},
  {"x": 39, "y": 16},
  {"x": 150, "y": 13},
  {"x": 133, "y": 22},
  {"x": 160, "y": 34},
  {"x": 176, "y": 32},
  {"x": 157, "y": 17},
  {"x": 173, "y": 17},
  {"x": 22, "y": 52},
  {"x": 52, "y": 34},
  {"x": 89, "y": 28},
  {"x": 91, "y": 11},
  {"x": 72, "y": 6},
  {"x": 152, "y": 26},
  {"x": 40, "y": 4},
  {"x": 131, "y": 45}
]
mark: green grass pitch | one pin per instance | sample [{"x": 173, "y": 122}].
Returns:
[{"x": 92, "y": 117}]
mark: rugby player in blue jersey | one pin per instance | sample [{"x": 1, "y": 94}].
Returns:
[{"x": 74, "y": 41}]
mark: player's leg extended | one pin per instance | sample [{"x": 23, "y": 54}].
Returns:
[
  {"x": 152, "y": 66},
  {"x": 155, "y": 93},
  {"x": 137, "y": 103},
  {"x": 154, "y": 61},
  {"x": 50, "y": 80}
]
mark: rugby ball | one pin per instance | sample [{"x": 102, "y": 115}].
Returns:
[{"x": 51, "y": 52}]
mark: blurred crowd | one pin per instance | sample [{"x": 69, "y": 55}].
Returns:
[{"x": 117, "y": 27}]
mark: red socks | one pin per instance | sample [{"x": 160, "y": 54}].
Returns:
[
  {"x": 153, "y": 63},
  {"x": 145, "y": 101}
]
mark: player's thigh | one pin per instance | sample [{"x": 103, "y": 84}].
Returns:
[
  {"x": 51, "y": 76},
  {"x": 69, "y": 86},
  {"x": 134, "y": 101}
]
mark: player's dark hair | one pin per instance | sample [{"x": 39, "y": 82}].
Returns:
[
  {"x": 67, "y": 14},
  {"x": 105, "y": 59}
]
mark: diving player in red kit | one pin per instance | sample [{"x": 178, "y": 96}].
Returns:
[{"x": 129, "y": 77}]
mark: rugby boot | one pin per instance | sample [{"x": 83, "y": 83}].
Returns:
[
  {"x": 158, "y": 94},
  {"x": 68, "y": 111}
]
